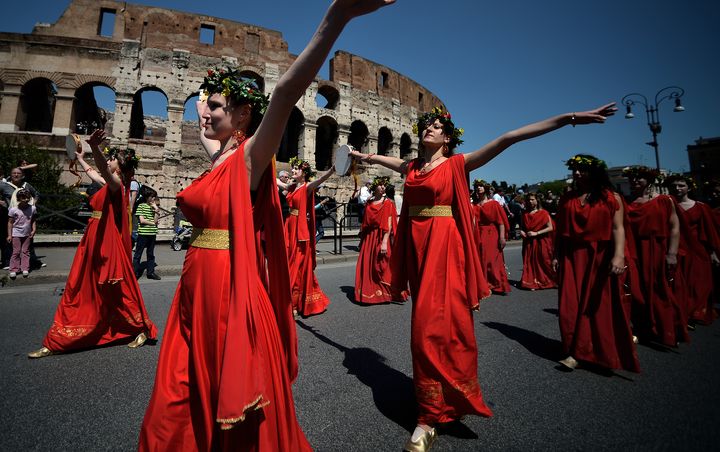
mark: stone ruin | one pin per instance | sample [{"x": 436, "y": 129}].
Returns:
[{"x": 48, "y": 77}]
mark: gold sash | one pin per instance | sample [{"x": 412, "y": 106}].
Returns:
[
  {"x": 97, "y": 214},
  {"x": 294, "y": 212},
  {"x": 214, "y": 239},
  {"x": 430, "y": 211}
]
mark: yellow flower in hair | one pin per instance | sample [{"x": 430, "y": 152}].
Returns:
[
  {"x": 204, "y": 95},
  {"x": 226, "y": 92}
]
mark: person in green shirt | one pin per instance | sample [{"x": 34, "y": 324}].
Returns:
[{"x": 147, "y": 214}]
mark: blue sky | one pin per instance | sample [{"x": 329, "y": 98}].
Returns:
[{"x": 500, "y": 65}]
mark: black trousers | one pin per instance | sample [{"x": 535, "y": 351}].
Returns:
[{"x": 145, "y": 242}]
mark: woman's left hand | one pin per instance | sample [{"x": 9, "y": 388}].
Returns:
[
  {"x": 597, "y": 116},
  {"x": 359, "y": 155},
  {"x": 356, "y": 8},
  {"x": 94, "y": 140},
  {"x": 617, "y": 265}
]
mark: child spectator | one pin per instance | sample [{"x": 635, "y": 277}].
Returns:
[
  {"x": 21, "y": 229},
  {"x": 147, "y": 215}
]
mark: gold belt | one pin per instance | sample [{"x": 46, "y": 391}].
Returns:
[
  {"x": 430, "y": 211},
  {"x": 214, "y": 239},
  {"x": 97, "y": 214},
  {"x": 294, "y": 212}
]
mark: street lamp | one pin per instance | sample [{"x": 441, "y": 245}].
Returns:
[{"x": 653, "y": 114}]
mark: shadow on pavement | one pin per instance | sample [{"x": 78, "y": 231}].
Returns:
[
  {"x": 535, "y": 343},
  {"x": 393, "y": 391},
  {"x": 552, "y": 311}
]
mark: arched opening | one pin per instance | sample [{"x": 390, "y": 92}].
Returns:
[
  {"x": 37, "y": 105},
  {"x": 327, "y": 97},
  {"x": 250, "y": 75},
  {"x": 385, "y": 139},
  {"x": 93, "y": 107},
  {"x": 326, "y": 136},
  {"x": 358, "y": 135},
  {"x": 290, "y": 144},
  {"x": 149, "y": 114},
  {"x": 190, "y": 124},
  {"x": 405, "y": 145}
]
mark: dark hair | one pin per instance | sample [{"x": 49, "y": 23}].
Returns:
[
  {"x": 23, "y": 193},
  {"x": 598, "y": 179},
  {"x": 146, "y": 192},
  {"x": 390, "y": 191}
]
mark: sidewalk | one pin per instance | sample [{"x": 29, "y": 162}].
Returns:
[{"x": 169, "y": 263}]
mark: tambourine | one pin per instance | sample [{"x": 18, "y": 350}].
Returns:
[
  {"x": 343, "y": 159},
  {"x": 74, "y": 144}
]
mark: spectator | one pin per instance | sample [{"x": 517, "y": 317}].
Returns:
[
  {"x": 21, "y": 229},
  {"x": 134, "y": 189},
  {"x": 147, "y": 214},
  {"x": 8, "y": 192},
  {"x": 284, "y": 184}
]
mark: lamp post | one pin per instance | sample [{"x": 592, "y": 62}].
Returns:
[{"x": 653, "y": 112}]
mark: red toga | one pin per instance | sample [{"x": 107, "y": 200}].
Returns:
[
  {"x": 435, "y": 253},
  {"x": 102, "y": 302},
  {"x": 489, "y": 216},
  {"x": 537, "y": 252}
]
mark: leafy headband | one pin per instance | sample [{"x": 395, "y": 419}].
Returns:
[
  {"x": 131, "y": 158},
  {"x": 379, "y": 180},
  {"x": 231, "y": 84},
  {"x": 643, "y": 172},
  {"x": 445, "y": 119},
  {"x": 582, "y": 161},
  {"x": 302, "y": 165}
]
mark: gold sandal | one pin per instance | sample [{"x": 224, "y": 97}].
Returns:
[
  {"x": 139, "y": 341},
  {"x": 40, "y": 353},
  {"x": 423, "y": 443}
]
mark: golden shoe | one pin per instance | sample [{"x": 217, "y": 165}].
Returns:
[
  {"x": 569, "y": 362},
  {"x": 139, "y": 341},
  {"x": 423, "y": 443},
  {"x": 40, "y": 353}
]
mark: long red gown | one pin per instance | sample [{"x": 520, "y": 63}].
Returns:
[
  {"x": 662, "y": 317},
  {"x": 594, "y": 308},
  {"x": 223, "y": 381},
  {"x": 699, "y": 237},
  {"x": 488, "y": 218},
  {"x": 372, "y": 272},
  {"x": 307, "y": 296},
  {"x": 537, "y": 253},
  {"x": 102, "y": 302},
  {"x": 716, "y": 268},
  {"x": 438, "y": 257}
]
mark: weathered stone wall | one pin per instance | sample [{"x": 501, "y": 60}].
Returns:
[{"x": 159, "y": 49}]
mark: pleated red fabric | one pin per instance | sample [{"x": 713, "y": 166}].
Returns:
[
  {"x": 662, "y": 318},
  {"x": 102, "y": 302},
  {"x": 437, "y": 256},
  {"x": 488, "y": 218},
  {"x": 593, "y": 303},
  {"x": 699, "y": 237},
  {"x": 537, "y": 252},
  {"x": 223, "y": 377},
  {"x": 373, "y": 275}
]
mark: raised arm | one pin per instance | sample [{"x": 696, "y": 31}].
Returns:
[
  {"x": 478, "y": 158},
  {"x": 316, "y": 183},
  {"x": 89, "y": 170},
  {"x": 105, "y": 177},
  {"x": 293, "y": 83},
  {"x": 212, "y": 147},
  {"x": 392, "y": 163},
  {"x": 617, "y": 264}
]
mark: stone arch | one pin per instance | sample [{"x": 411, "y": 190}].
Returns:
[
  {"x": 290, "y": 144},
  {"x": 326, "y": 136},
  {"x": 87, "y": 114},
  {"x": 405, "y": 145},
  {"x": 327, "y": 97},
  {"x": 385, "y": 141},
  {"x": 37, "y": 105},
  {"x": 252, "y": 75},
  {"x": 147, "y": 127},
  {"x": 359, "y": 134}
]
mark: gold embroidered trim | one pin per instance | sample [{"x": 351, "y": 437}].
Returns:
[
  {"x": 313, "y": 298},
  {"x": 70, "y": 331},
  {"x": 430, "y": 211},
  {"x": 97, "y": 214},
  {"x": 255, "y": 405},
  {"x": 214, "y": 239},
  {"x": 431, "y": 392},
  {"x": 294, "y": 212},
  {"x": 435, "y": 392}
]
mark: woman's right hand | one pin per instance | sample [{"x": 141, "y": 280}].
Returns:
[
  {"x": 356, "y": 8},
  {"x": 201, "y": 106},
  {"x": 359, "y": 155},
  {"x": 94, "y": 140}
]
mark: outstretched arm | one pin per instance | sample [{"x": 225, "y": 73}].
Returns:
[
  {"x": 316, "y": 183},
  {"x": 112, "y": 180},
  {"x": 478, "y": 158},
  {"x": 211, "y": 147},
  {"x": 392, "y": 163},
  {"x": 293, "y": 83}
]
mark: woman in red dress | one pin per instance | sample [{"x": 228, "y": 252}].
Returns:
[
  {"x": 713, "y": 198},
  {"x": 537, "y": 251},
  {"x": 701, "y": 245},
  {"x": 656, "y": 233},
  {"x": 307, "y": 296},
  {"x": 379, "y": 225},
  {"x": 436, "y": 255},
  {"x": 102, "y": 302},
  {"x": 590, "y": 258},
  {"x": 229, "y": 352},
  {"x": 491, "y": 229}
]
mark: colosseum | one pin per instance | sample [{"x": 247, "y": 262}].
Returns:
[{"x": 48, "y": 81}]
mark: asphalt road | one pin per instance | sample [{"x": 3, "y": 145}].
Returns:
[{"x": 354, "y": 392}]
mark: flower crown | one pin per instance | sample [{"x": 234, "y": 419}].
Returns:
[
  {"x": 480, "y": 183},
  {"x": 379, "y": 180},
  {"x": 445, "y": 119},
  {"x": 652, "y": 175},
  {"x": 581, "y": 161},
  {"x": 231, "y": 84},
  {"x": 302, "y": 165},
  {"x": 689, "y": 180},
  {"x": 131, "y": 158}
]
